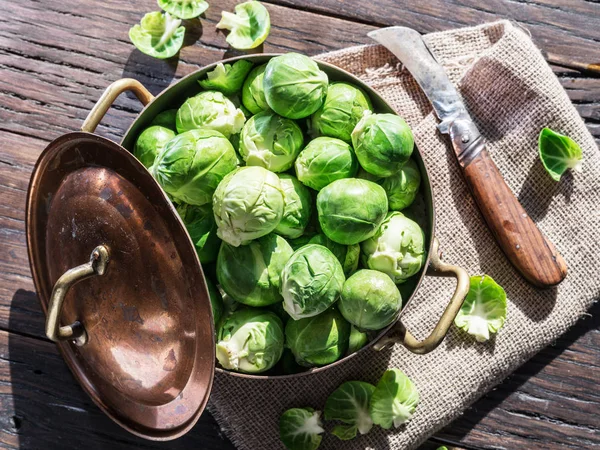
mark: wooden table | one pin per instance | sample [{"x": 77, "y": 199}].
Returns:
[{"x": 56, "y": 57}]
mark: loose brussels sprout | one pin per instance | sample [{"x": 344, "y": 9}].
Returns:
[
  {"x": 397, "y": 249},
  {"x": 325, "y": 160},
  {"x": 200, "y": 224},
  {"x": 216, "y": 302},
  {"x": 484, "y": 309},
  {"x": 394, "y": 400},
  {"x": 166, "y": 119},
  {"x": 402, "y": 187},
  {"x": 558, "y": 153},
  {"x": 383, "y": 143},
  {"x": 250, "y": 340},
  {"x": 347, "y": 255},
  {"x": 370, "y": 300},
  {"x": 358, "y": 340},
  {"x": 318, "y": 340},
  {"x": 150, "y": 143},
  {"x": 248, "y": 204},
  {"x": 270, "y": 141},
  {"x": 184, "y": 9},
  {"x": 349, "y": 403},
  {"x": 158, "y": 35},
  {"x": 311, "y": 281},
  {"x": 253, "y": 94},
  {"x": 251, "y": 273},
  {"x": 249, "y": 26},
  {"x": 192, "y": 164},
  {"x": 343, "y": 108},
  {"x": 294, "y": 85},
  {"x": 301, "y": 429},
  {"x": 227, "y": 78},
  {"x": 210, "y": 110},
  {"x": 351, "y": 210},
  {"x": 297, "y": 207}
]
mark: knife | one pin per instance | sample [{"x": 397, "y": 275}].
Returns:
[{"x": 523, "y": 243}]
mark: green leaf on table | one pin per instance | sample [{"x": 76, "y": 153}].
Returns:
[
  {"x": 300, "y": 429},
  {"x": 394, "y": 400},
  {"x": 344, "y": 432},
  {"x": 558, "y": 153},
  {"x": 158, "y": 35},
  {"x": 227, "y": 78},
  {"x": 249, "y": 26},
  {"x": 349, "y": 403},
  {"x": 184, "y": 9}
]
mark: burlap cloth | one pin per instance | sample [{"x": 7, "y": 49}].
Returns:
[{"x": 511, "y": 93}]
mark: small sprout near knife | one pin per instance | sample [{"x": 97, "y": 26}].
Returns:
[
  {"x": 248, "y": 27},
  {"x": 558, "y": 153}
]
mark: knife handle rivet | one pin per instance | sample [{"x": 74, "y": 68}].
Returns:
[{"x": 465, "y": 138}]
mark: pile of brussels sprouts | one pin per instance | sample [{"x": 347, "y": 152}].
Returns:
[{"x": 291, "y": 188}]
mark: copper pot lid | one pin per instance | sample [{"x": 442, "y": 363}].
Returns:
[{"x": 142, "y": 338}]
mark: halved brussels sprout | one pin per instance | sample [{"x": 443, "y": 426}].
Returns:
[
  {"x": 349, "y": 403},
  {"x": 318, "y": 340},
  {"x": 192, "y": 164},
  {"x": 250, "y": 340},
  {"x": 158, "y": 35},
  {"x": 370, "y": 300},
  {"x": 227, "y": 78},
  {"x": 249, "y": 26},
  {"x": 297, "y": 207},
  {"x": 397, "y": 249},
  {"x": 294, "y": 85},
  {"x": 216, "y": 302},
  {"x": 347, "y": 255},
  {"x": 402, "y": 187},
  {"x": 248, "y": 204},
  {"x": 210, "y": 110},
  {"x": 325, "y": 160},
  {"x": 166, "y": 119},
  {"x": 301, "y": 429},
  {"x": 358, "y": 340},
  {"x": 270, "y": 141},
  {"x": 200, "y": 224},
  {"x": 253, "y": 94},
  {"x": 184, "y": 9},
  {"x": 150, "y": 143},
  {"x": 558, "y": 153},
  {"x": 351, "y": 210},
  {"x": 383, "y": 143},
  {"x": 344, "y": 106},
  {"x": 394, "y": 400},
  {"x": 251, "y": 274},
  {"x": 311, "y": 281}
]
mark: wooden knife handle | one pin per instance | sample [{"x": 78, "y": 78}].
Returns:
[{"x": 521, "y": 240}]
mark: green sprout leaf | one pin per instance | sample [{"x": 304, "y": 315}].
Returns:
[
  {"x": 484, "y": 309},
  {"x": 558, "y": 153},
  {"x": 394, "y": 400},
  {"x": 249, "y": 26},
  {"x": 301, "y": 429},
  {"x": 158, "y": 35},
  {"x": 227, "y": 78},
  {"x": 344, "y": 432},
  {"x": 350, "y": 404},
  {"x": 184, "y": 9}
]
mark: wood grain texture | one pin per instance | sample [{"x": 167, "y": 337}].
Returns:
[{"x": 56, "y": 58}]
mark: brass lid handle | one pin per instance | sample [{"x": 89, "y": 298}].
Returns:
[{"x": 76, "y": 331}]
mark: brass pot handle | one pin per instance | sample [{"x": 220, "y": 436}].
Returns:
[
  {"x": 109, "y": 96},
  {"x": 400, "y": 334},
  {"x": 75, "y": 331}
]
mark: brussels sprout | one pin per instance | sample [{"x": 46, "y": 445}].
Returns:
[
  {"x": 318, "y": 340},
  {"x": 402, "y": 187},
  {"x": 347, "y": 255},
  {"x": 349, "y": 403},
  {"x": 370, "y": 300},
  {"x": 150, "y": 143},
  {"x": 227, "y": 78},
  {"x": 166, "y": 119},
  {"x": 251, "y": 273},
  {"x": 184, "y": 9},
  {"x": 248, "y": 204},
  {"x": 210, "y": 110},
  {"x": 343, "y": 108},
  {"x": 558, "y": 153},
  {"x": 158, "y": 35},
  {"x": 358, "y": 340},
  {"x": 484, "y": 309},
  {"x": 253, "y": 94},
  {"x": 250, "y": 340},
  {"x": 249, "y": 26},
  {"x": 383, "y": 143},
  {"x": 216, "y": 302},
  {"x": 325, "y": 160},
  {"x": 200, "y": 224},
  {"x": 394, "y": 400},
  {"x": 351, "y": 210},
  {"x": 311, "y": 281},
  {"x": 192, "y": 164},
  {"x": 297, "y": 207},
  {"x": 294, "y": 85},
  {"x": 301, "y": 429},
  {"x": 270, "y": 141},
  {"x": 397, "y": 249}
]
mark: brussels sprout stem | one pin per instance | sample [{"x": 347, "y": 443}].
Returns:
[
  {"x": 311, "y": 426},
  {"x": 171, "y": 25}
]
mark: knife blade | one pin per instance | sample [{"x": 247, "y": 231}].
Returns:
[{"x": 534, "y": 256}]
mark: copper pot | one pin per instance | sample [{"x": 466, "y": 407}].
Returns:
[{"x": 141, "y": 335}]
